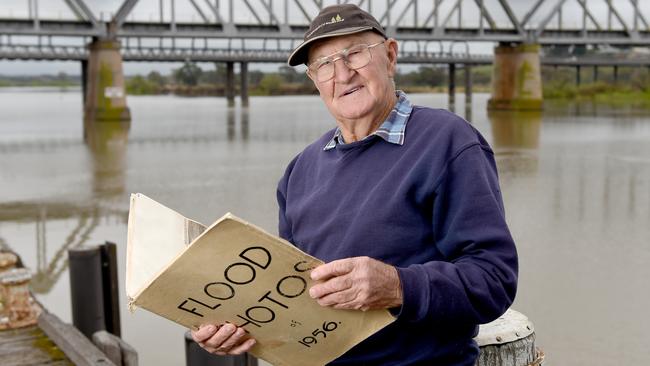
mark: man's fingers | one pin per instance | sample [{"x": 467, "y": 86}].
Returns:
[
  {"x": 220, "y": 336},
  {"x": 244, "y": 347},
  {"x": 332, "y": 269},
  {"x": 205, "y": 331},
  {"x": 338, "y": 298},
  {"x": 331, "y": 286},
  {"x": 234, "y": 340}
]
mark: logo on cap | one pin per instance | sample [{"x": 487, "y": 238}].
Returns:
[{"x": 336, "y": 19}]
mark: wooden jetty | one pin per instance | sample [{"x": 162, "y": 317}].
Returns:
[
  {"x": 49, "y": 342},
  {"x": 30, "y": 335}
]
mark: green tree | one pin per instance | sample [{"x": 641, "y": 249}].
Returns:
[
  {"x": 271, "y": 84},
  {"x": 189, "y": 74},
  {"x": 289, "y": 74},
  {"x": 255, "y": 77},
  {"x": 156, "y": 78}
]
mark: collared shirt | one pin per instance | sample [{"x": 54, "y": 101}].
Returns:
[{"x": 392, "y": 129}]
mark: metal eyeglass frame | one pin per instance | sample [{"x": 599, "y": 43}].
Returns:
[{"x": 343, "y": 54}]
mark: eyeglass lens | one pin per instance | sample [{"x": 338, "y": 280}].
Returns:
[{"x": 354, "y": 58}]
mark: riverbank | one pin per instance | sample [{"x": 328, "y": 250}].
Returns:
[{"x": 603, "y": 93}]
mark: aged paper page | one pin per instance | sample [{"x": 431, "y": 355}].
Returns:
[{"x": 235, "y": 272}]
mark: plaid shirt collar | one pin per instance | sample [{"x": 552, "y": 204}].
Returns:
[{"x": 393, "y": 128}]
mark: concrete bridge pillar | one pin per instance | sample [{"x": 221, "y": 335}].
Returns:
[
  {"x": 516, "y": 78},
  {"x": 452, "y": 86},
  {"x": 243, "y": 75},
  {"x": 104, "y": 92},
  {"x": 468, "y": 91},
  {"x": 230, "y": 83}
]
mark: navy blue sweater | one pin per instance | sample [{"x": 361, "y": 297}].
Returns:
[{"x": 432, "y": 208}]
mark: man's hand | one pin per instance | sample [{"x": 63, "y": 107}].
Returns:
[
  {"x": 223, "y": 340},
  {"x": 360, "y": 283}
]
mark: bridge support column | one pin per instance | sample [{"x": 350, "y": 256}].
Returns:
[
  {"x": 105, "y": 95},
  {"x": 516, "y": 78},
  {"x": 578, "y": 79},
  {"x": 468, "y": 91},
  {"x": 243, "y": 75},
  {"x": 452, "y": 86},
  {"x": 230, "y": 83},
  {"x": 84, "y": 81}
]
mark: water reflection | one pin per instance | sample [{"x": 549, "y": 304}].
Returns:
[
  {"x": 516, "y": 134},
  {"x": 244, "y": 121},
  {"x": 107, "y": 143},
  {"x": 77, "y": 218}
]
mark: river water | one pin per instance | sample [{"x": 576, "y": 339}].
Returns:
[{"x": 575, "y": 180}]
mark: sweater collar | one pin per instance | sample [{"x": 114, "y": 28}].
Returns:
[{"x": 391, "y": 130}]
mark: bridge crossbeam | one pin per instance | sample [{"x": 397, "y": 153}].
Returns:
[{"x": 181, "y": 54}]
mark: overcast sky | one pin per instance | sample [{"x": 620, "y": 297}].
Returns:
[{"x": 149, "y": 10}]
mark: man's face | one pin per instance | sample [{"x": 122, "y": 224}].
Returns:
[{"x": 361, "y": 93}]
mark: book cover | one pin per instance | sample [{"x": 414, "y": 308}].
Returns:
[{"x": 233, "y": 271}]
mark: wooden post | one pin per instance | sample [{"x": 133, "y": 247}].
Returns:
[
  {"x": 508, "y": 341},
  {"x": 72, "y": 342},
  {"x": 118, "y": 351}
]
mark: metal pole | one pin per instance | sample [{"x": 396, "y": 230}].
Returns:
[
  {"x": 110, "y": 286},
  {"x": 578, "y": 75},
  {"x": 94, "y": 289},
  {"x": 86, "y": 290},
  {"x": 595, "y": 74}
]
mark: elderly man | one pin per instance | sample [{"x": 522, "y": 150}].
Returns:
[{"x": 402, "y": 203}]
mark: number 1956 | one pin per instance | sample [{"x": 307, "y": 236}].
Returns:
[{"x": 327, "y": 327}]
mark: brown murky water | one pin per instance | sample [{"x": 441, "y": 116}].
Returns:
[{"x": 575, "y": 179}]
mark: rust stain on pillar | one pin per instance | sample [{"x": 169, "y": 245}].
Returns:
[
  {"x": 106, "y": 93},
  {"x": 516, "y": 78}
]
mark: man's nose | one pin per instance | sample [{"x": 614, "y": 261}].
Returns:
[{"x": 342, "y": 72}]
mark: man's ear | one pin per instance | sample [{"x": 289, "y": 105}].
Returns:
[{"x": 391, "y": 51}]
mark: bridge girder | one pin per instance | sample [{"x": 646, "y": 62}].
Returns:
[{"x": 406, "y": 20}]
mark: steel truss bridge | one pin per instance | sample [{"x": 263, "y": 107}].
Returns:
[{"x": 431, "y": 31}]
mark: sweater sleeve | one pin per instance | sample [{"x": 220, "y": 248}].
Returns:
[
  {"x": 284, "y": 227},
  {"x": 477, "y": 281}
]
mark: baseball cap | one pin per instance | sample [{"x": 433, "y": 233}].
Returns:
[{"x": 332, "y": 21}]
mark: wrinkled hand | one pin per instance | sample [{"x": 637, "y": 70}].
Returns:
[
  {"x": 360, "y": 283},
  {"x": 223, "y": 340}
]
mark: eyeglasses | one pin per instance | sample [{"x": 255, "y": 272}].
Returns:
[{"x": 355, "y": 57}]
